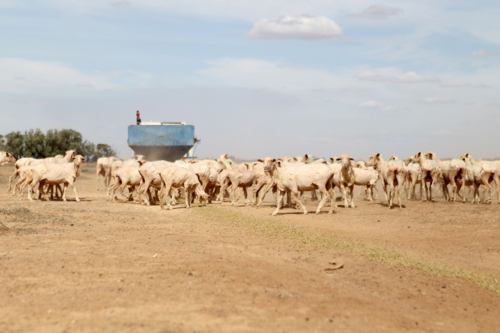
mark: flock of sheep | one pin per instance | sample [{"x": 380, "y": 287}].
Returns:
[{"x": 211, "y": 179}]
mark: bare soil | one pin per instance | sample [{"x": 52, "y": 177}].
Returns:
[{"x": 99, "y": 266}]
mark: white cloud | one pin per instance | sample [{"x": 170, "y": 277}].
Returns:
[
  {"x": 121, "y": 4},
  {"x": 277, "y": 76},
  {"x": 394, "y": 75},
  {"x": 371, "y": 104},
  {"x": 85, "y": 85},
  {"x": 436, "y": 100},
  {"x": 378, "y": 12},
  {"x": 22, "y": 76},
  {"x": 41, "y": 76},
  {"x": 370, "y": 76},
  {"x": 410, "y": 77},
  {"x": 482, "y": 53},
  {"x": 454, "y": 85},
  {"x": 443, "y": 132},
  {"x": 376, "y": 105},
  {"x": 302, "y": 27}
]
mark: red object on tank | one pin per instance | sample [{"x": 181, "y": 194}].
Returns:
[{"x": 138, "y": 118}]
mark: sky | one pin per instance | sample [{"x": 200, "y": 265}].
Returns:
[{"x": 259, "y": 78}]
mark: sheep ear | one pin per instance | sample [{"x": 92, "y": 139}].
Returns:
[
  {"x": 259, "y": 160},
  {"x": 352, "y": 159},
  {"x": 274, "y": 160},
  {"x": 378, "y": 155}
]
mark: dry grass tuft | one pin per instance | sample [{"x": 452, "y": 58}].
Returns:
[
  {"x": 317, "y": 239},
  {"x": 14, "y": 211}
]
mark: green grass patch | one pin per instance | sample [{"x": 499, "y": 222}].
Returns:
[{"x": 317, "y": 239}]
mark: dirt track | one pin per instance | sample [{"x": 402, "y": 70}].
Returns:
[{"x": 119, "y": 267}]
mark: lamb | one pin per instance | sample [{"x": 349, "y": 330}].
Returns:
[
  {"x": 413, "y": 177},
  {"x": 239, "y": 179},
  {"x": 134, "y": 163},
  {"x": 126, "y": 176},
  {"x": 176, "y": 177},
  {"x": 369, "y": 189},
  {"x": 70, "y": 156},
  {"x": 103, "y": 168},
  {"x": 56, "y": 173},
  {"x": 453, "y": 173},
  {"x": 6, "y": 158},
  {"x": 430, "y": 172},
  {"x": 150, "y": 174},
  {"x": 483, "y": 176},
  {"x": 392, "y": 174},
  {"x": 302, "y": 178},
  {"x": 350, "y": 176},
  {"x": 20, "y": 163}
]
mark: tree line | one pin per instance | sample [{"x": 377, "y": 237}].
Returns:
[{"x": 36, "y": 144}]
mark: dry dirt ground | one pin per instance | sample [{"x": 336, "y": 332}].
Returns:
[{"x": 99, "y": 266}]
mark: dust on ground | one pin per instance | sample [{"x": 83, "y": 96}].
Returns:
[{"x": 99, "y": 266}]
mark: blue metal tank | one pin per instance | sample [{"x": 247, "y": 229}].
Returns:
[{"x": 161, "y": 141}]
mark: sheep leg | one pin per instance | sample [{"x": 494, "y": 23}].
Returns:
[
  {"x": 18, "y": 185},
  {"x": 167, "y": 194},
  {"x": 497, "y": 183},
  {"x": 295, "y": 193},
  {"x": 343, "y": 188},
  {"x": 234, "y": 189},
  {"x": 369, "y": 192},
  {"x": 486, "y": 186},
  {"x": 351, "y": 193},
  {"x": 375, "y": 197},
  {"x": 267, "y": 188},
  {"x": 384, "y": 185},
  {"x": 245, "y": 195},
  {"x": 391, "y": 194},
  {"x": 325, "y": 196},
  {"x": 113, "y": 190},
  {"x": 41, "y": 186},
  {"x": 401, "y": 182},
  {"x": 11, "y": 179},
  {"x": 256, "y": 192},
  {"x": 474, "y": 191},
  {"x": 222, "y": 191},
  {"x": 72, "y": 184},
  {"x": 281, "y": 194},
  {"x": 64, "y": 191},
  {"x": 411, "y": 191},
  {"x": 453, "y": 188},
  {"x": 331, "y": 194},
  {"x": 187, "y": 193},
  {"x": 432, "y": 190},
  {"x": 426, "y": 190}
]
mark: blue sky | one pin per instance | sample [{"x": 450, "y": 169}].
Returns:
[{"x": 259, "y": 78}]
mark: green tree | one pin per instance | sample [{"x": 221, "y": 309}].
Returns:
[
  {"x": 51, "y": 147},
  {"x": 2, "y": 146},
  {"x": 15, "y": 145},
  {"x": 58, "y": 142},
  {"x": 69, "y": 140},
  {"x": 87, "y": 150},
  {"x": 104, "y": 150},
  {"x": 34, "y": 143}
]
